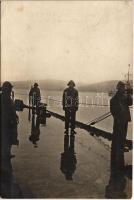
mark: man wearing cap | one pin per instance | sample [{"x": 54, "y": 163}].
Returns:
[
  {"x": 70, "y": 104},
  {"x": 9, "y": 117},
  {"x": 34, "y": 95},
  {"x": 9, "y": 121},
  {"x": 119, "y": 107}
]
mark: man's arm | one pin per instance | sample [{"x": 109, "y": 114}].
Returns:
[
  {"x": 77, "y": 100},
  {"x": 12, "y": 113},
  {"x": 130, "y": 100},
  {"x": 31, "y": 93},
  {"x": 115, "y": 107},
  {"x": 39, "y": 95},
  {"x": 63, "y": 100}
]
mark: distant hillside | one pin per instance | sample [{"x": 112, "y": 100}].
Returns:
[
  {"x": 43, "y": 84},
  {"x": 60, "y": 85},
  {"x": 99, "y": 87}
]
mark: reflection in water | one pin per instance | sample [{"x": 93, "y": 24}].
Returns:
[
  {"x": 116, "y": 187},
  {"x": 35, "y": 130},
  {"x": 117, "y": 183},
  {"x": 68, "y": 157}
]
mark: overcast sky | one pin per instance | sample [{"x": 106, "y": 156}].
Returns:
[{"x": 88, "y": 41}]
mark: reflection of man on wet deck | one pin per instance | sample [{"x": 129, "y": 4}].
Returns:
[
  {"x": 68, "y": 157},
  {"x": 119, "y": 106},
  {"x": 35, "y": 131},
  {"x": 70, "y": 106}
]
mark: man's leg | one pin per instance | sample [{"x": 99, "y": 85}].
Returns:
[
  {"x": 73, "y": 116},
  {"x": 67, "y": 119}
]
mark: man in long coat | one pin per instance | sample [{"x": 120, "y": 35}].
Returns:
[
  {"x": 119, "y": 107},
  {"x": 70, "y": 103}
]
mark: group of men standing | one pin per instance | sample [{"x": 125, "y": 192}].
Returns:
[
  {"x": 70, "y": 102},
  {"x": 119, "y": 107}
]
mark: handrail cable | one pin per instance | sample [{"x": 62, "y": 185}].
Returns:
[{"x": 106, "y": 115}]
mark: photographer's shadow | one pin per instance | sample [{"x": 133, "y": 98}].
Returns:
[
  {"x": 68, "y": 157},
  {"x": 35, "y": 130}
]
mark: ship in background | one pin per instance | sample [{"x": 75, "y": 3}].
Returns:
[{"x": 128, "y": 82}]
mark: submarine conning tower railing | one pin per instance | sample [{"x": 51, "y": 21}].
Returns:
[
  {"x": 93, "y": 131},
  {"x": 88, "y": 126}
]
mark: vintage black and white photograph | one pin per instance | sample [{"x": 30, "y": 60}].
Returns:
[{"x": 66, "y": 98}]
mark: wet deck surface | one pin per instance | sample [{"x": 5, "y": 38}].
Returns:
[{"x": 38, "y": 169}]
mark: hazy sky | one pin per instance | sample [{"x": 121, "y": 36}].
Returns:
[{"x": 88, "y": 41}]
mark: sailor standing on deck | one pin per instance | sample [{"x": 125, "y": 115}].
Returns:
[
  {"x": 9, "y": 121},
  {"x": 119, "y": 107},
  {"x": 70, "y": 103},
  {"x": 34, "y": 95}
]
